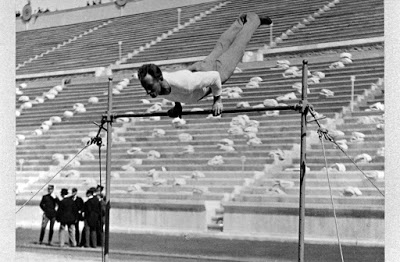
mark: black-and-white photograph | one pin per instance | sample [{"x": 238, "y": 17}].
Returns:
[{"x": 200, "y": 130}]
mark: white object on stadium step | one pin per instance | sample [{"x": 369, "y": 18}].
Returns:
[
  {"x": 288, "y": 96},
  {"x": 242, "y": 105},
  {"x": 352, "y": 191},
  {"x": 256, "y": 79},
  {"x": 38, "y": 132},
  {"x": 252, "y": 85},
  {"x": 158, "y": 133},
  {"x": 363, "y": 158},
  {"x": 346, "y": 55},
  {"x": 326, "y": 93},
  {"x": 346, "y": 60},
  {"x": 39, "y": 100},
  {"x": 68, "y": 113},
  {"x": 93, "y": 100},
  {"x": 185, "y": 137},
  {"x": 26, "y": 105},
  {"x": 216, "y": 161},
  {"x": 23, "y": 98},
  {"x": 55, "y": 119},
  {"x": 58, "y": 88},
  {"x": 336, "y": 65},
  {"x": 153, "y": 154},
  {"x": 357, "y": 136}
]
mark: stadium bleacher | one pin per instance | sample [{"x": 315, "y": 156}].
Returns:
[{"x": 249, "y": 186}]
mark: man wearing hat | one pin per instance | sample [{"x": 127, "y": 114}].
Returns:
[
  {"x": 48, "y": 205},
  {"x": 92, "y": 213},
  {"x": 100, "y": 196},
  {"x": 67, "y": 216},
  {"x": 79, "y": 205}
]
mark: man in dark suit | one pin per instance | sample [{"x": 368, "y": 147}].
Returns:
[
  {"x": 99, "y": 194},
  {"x": 92, "y": 213},
  {"x": 66, "y": 215},
  {"x": 48, "y": 205},
  {"x": 79, "y": 207}
]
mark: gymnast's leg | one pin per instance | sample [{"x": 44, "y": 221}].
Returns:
[
  {"x": 222, "y": 45},
  {"x": 227, "y": 62}
]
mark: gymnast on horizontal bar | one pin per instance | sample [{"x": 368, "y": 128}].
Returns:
[{"x": 204, "y": 77}]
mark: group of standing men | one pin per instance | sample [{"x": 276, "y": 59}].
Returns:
[{"x": 69, "y": 210}]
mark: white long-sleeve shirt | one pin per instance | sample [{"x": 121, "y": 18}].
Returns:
[{"x": 189, "y": 87}]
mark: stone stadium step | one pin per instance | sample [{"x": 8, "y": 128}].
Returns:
[
  {"x": 211, "y": 174},
  {"x": 334, "y": 158},
  {"x": 370, "y": 144},
  {"x": 197, "y": 141},
  {"x": 313, "y": 199},
  {"x": 317, "y": 174},
  {"x": 228, "y": 159},
  {"x": 179, "y": 196},
  {"x": 356, "y": 123},
  {"x": 265, "y": 128},
  {"x": 166, "y": 151},
  {"x": 303, "y": 40},
  {"x": 149, "y": 188},
  {"x": 336, "y": 152},
  {"x": 171, "y": 167},
  {"x": 318, "y": 165},
  {"x": 367, "y": 129},
  {"x": 320, "y": 191},
  {"x": 367, "y": 113},
  {"x": 352, "y": 152},
  {"x": 198, "y": 130},
  {"x": 350, "y": 180}
]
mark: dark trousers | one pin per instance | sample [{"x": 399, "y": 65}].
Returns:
[
  {"x": 230, "y": 48},
  {"x": 77, "y": 233},
  {"x": 45, "y": 221},
  {"x": 90, "y": 235},
  {"x": 100, "y": 234}
]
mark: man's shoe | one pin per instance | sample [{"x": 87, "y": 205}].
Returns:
[
  {"x": 243, "y": 18},
  {"x": 265, "y": 20}
]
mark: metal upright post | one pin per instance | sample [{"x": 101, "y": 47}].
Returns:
[
  {"x": 271, "y": 37},
  {"x": 352, "y": 78},
  {"x": 108, "y": 171},
  {"x": 302, "y": 201},
  {"x": 119, "y": 50},
  {"x": 179, "y": 16}
]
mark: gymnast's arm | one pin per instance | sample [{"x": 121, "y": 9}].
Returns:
[{"x": 212, "y": 79}]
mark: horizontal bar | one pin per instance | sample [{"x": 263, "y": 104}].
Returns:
[{"x": 207, "y": 112}]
